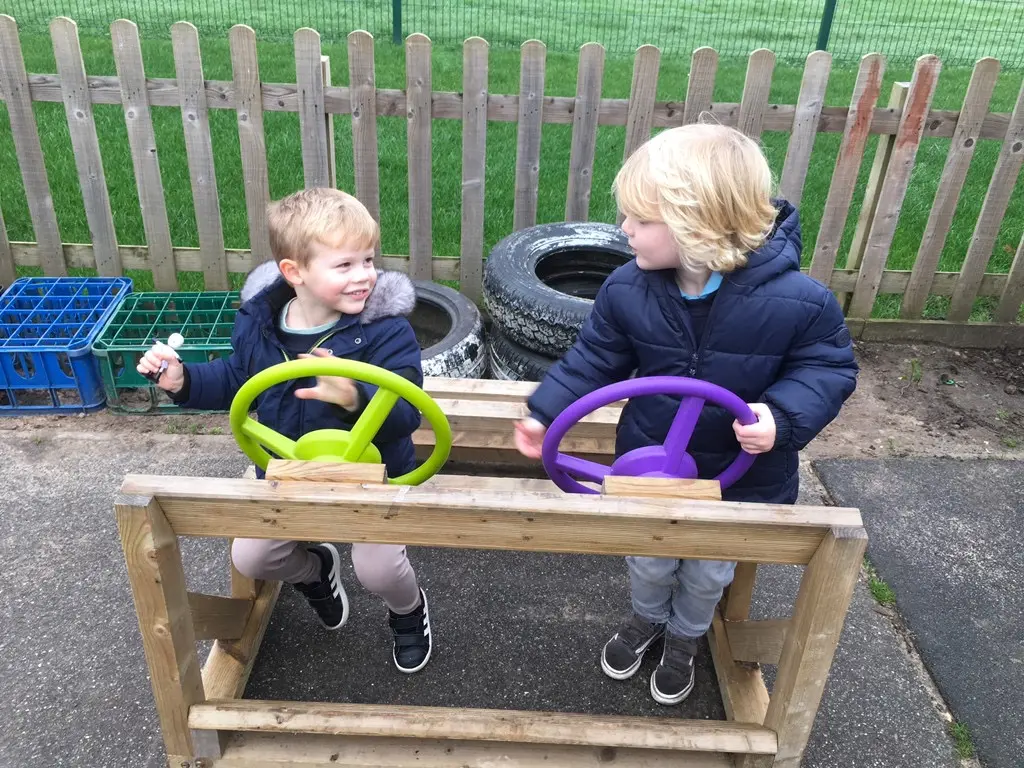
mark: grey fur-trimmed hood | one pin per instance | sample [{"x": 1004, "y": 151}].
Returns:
[{"x": 394, "y": 294}]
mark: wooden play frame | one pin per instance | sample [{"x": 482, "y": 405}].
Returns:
[{"x": 206, "y": 724}]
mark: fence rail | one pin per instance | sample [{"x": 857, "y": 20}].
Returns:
[{"x": 902, "y": 124}]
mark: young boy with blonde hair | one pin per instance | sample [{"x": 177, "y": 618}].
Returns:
[
  {"x": 715, "y": 293},
  {"x": 321, "y": 296}
]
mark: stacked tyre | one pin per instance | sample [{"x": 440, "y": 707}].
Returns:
[
  {"x": 539, "y": 288},
  {"x": 450, "y": 332}
]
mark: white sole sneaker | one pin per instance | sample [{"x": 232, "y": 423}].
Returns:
[
  {"x": 336, "y": 586},
  {"x": 430, "y": 641},
  {"x": 625, "y": 674}
]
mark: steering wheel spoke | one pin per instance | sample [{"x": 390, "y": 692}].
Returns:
[
  {"x": 582, "y": 468},
  {"x": 369, "y": 423},
  {"x": 278, "y": 444}
]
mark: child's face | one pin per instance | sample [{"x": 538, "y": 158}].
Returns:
[
  {"x": 338, "y": 278},
  {"x": 653, "y": 243}
]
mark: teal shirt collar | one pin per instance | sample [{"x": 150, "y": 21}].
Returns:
[{"x": 713, "y": 284}]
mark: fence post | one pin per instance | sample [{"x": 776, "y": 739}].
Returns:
[
  {"x": 332, "y": 163},
  {"x": 897, "y": 100},
  {"x": 826, "y": 24},
  {"x": 396, "y": 22}
]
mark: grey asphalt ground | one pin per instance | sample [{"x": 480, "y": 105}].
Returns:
[{"x": 513, "y": 630}]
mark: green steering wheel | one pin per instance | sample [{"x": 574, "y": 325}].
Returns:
[{"x": 338, "y": 444}]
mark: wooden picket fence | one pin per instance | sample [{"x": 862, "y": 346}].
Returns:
[{"x": 901, "y": 124}]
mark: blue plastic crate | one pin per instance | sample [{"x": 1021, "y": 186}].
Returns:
[{"x": 47, "y": 327}]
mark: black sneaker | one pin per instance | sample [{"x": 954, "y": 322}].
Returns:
[
  {"x": 672, "y": 680},
  {"x": 327, "y": 596},
  {"x": 413, "y": 642},
  {"x": 622, "y": 655}
]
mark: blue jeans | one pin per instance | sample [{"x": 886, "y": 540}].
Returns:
[{"x": 681, "y": 594}]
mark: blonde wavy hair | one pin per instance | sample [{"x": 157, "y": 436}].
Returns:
[
  {"x": 710, "y": 184},
  {"x": 319, "y": 215}
]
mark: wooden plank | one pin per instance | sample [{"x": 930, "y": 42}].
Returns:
[
  {"x": 756, "y": 88},
  {"x": 418, "y": 87},
  {"x": 740, "y": 592},
  {"x": 744, "y": 694},
  {"x": 821, "y": 606},
  {"x": 86, "y": 146},
  {"x": 474, "y": 166},
  {"x": 957, "y": 335},
  {"x": 282, "y": 97},
  {"x": 199, "y": 147},
  {"x": 14, "y": 88},
  {"x": 191, "y": 259},
  {"x": 641, "y": 102},
  {"x": 325, "y": 472},
  {"x": 805, "y": 125},
  {"x": 269, "y": 750},
  {"x": 757, "y": 642},
  {"x": 215, "y": 617},
  {"x": 230, "y": 662},
  {"x": 161, "y": 603},
  {"x": 844, "y": 176},
  {"x": 997, "y": 198},
  {"x": 584, "y": 132},
  {"x": 332, "y": 159},
  {"x": 478, "y": 389},
  {"x": 700, "y": 84},
  {"x": 245, "y": 68},
  {"x": 483, "y": 725},
  {"x": 315, "y": 155},
  {"x": 363, "y": 85},
  {"x": 662, "y": 487},
  {"x": 530, "y": 118},
  {"x": 145, "y": 160},
  {"x": 466, "y": 519},
  {"x": 958, "y": 161},
  {"x": 894, "y": 188},
  {"x": 873, "y": 190},
  {"x": 8, "y": 274},
  {"x": 1013, "y": 293}
]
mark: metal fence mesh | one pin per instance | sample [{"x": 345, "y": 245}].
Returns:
[{"x": 958, "y": 31}]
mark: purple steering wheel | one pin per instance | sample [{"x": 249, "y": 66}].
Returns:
[{"x": 668, "y": 460}]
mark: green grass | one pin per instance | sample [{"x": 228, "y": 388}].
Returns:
[
  {"x": 882, "y": 592},
  {"x": 962, "y": 744},
  {"x": 954, "y": 30},
  {"x": 284, "y": 154}
]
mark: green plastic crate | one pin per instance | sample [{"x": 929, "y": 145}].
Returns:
[{"x": 204, "y": 319}]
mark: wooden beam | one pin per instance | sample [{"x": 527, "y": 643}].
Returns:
[
  {"x": 266, "y": 750},
  {"x": 662, "y": 487},
  {"x": 740, "y": 593},
  {"x": 744, "y": 694},
  {"x": 218, "y": 618},
  {"x": 229, "y": 664},
  {"x": 325, "y": 472},
  {"x": 757, "y": 642},
  {"x": 483, "y": 725},
  {"x": 522, "y": 521},
  {"x": 821, "y": 606},
  {"x": 157, "y": 578},
  {"x": 447, "y": 105}
]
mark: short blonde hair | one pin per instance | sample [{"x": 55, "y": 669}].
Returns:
[
  {"x": 710, "y": 184},
  {"x": 319, "y": 215}
]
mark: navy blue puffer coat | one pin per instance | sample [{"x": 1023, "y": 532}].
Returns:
[{"x": 774, "y": 335}]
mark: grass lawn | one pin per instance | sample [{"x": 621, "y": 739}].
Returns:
[{"x": 284, "y": 153}]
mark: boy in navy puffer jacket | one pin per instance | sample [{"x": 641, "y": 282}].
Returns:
[
  {"x": 715, "y": 293},
  {"x": 321, "y": 297}
]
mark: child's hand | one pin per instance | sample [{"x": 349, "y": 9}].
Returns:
[
  {"x": 758, "y": 437},
  {"x": 173, "y": 378},
  {"x": 529, "y": 437},
  {"x": 330, "y": 389}
]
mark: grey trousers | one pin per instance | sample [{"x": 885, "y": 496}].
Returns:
[
  {"x": 383, "y": 569},
  {"x": 681, "y": 594}
]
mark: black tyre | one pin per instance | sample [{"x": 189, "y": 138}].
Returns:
[
  {"x": 512, "y": 362},
  {"x": 540, "y": 283},
  {"x": 450, "y": 332}
]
